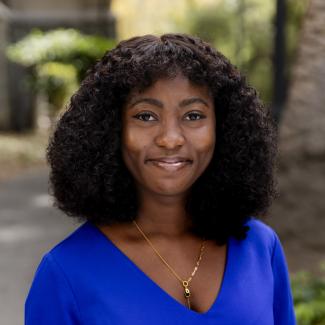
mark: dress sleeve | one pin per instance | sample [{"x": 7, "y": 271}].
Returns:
[
  {"x": 50, "y": 300},
  {"x": 283, "y": 303}
]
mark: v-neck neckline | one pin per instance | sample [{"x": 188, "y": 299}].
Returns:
[{"x": 159, "y": 289}]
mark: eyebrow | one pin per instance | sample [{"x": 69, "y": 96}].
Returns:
[{"x": 158, "y": 103}]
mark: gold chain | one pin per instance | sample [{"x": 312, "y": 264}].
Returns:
[{"x": 185, "y": 283}]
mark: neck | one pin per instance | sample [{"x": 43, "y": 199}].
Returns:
[{"x": 163, "y": 215}]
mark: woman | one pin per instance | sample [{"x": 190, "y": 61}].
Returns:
[{"x": 167, "y": 154}]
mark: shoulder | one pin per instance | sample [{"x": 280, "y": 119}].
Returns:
[
  {"x": 261, "y": 239},
  {"x": 72, "y": 241},
  {"x": 52, "y": 298},
  {"x": 260, "y": 232},
  {"x": 77, "y": 249}
]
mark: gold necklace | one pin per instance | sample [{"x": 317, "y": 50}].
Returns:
[{"x": 185, "y": 283}]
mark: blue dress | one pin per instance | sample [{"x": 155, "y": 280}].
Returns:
[{"x": 87, "y": 280}]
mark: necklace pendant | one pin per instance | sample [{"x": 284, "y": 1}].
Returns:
[{"x": 187, "y": 291}]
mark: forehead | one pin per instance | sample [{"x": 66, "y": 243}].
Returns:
[{"x": 178, "y": 86}]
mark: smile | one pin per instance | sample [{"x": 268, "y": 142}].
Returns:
[{"x": 170, "y": 166}]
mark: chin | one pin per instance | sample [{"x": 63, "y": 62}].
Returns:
[{"x": 170, "y": 190}]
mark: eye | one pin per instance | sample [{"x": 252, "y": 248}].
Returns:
[
  {"x": 194, "y": 116},
  {"x": 145, "y": 116}
]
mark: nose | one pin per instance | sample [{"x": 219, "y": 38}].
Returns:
[{"x": 170, "y": 135}]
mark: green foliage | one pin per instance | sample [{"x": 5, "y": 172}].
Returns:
[
  {"x": 243, "y": 30},
  {"x": 309, "y": 299},
  {"x": 61, "y": 45},
  {"x": 58, "y": 61},
  {"x": 57, "y": 81}
]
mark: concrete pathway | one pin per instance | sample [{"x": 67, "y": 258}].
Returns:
[{"x": 29, "y": 227}]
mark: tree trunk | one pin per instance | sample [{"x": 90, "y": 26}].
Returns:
[{"x": 299, "y": 213}]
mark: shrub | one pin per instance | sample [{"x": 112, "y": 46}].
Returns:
[
  {"x": 58, "y": 60},
  {"x": 309, "y": 299}
]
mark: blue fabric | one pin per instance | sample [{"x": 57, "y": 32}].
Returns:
[{"x": 87, "y": 280}]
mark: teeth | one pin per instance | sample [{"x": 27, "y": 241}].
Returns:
[
  {"x": 171, "y": 166},
  {"x": 178, "y": 163}
]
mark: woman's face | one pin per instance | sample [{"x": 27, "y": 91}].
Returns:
[{"x": 168, "y": 135}]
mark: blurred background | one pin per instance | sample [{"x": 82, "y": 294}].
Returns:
[{"x": 47, "y": 46}]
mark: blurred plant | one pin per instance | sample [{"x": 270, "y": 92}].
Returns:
[
  {"x": 309, "y": 299},
  {"x": 58, "y": 59},
  {"x": 60, "y": 45},
  {"x": 57, "y": 81},
  {"x": 243, "y": 30}
]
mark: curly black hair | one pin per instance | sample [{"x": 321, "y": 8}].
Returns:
[{"x": 88, "y": 177}]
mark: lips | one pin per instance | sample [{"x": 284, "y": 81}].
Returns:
[{"x": 170, "y": 163}]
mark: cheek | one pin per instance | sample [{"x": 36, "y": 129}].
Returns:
[
  {"x": 205, "y": 141},
  {"x": 129, "y": 143},
  {"x": 129, "y": 146},
  {"x": 133, "y": 148}
]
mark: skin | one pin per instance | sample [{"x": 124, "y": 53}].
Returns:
[{"x": 172, "y": 118}]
